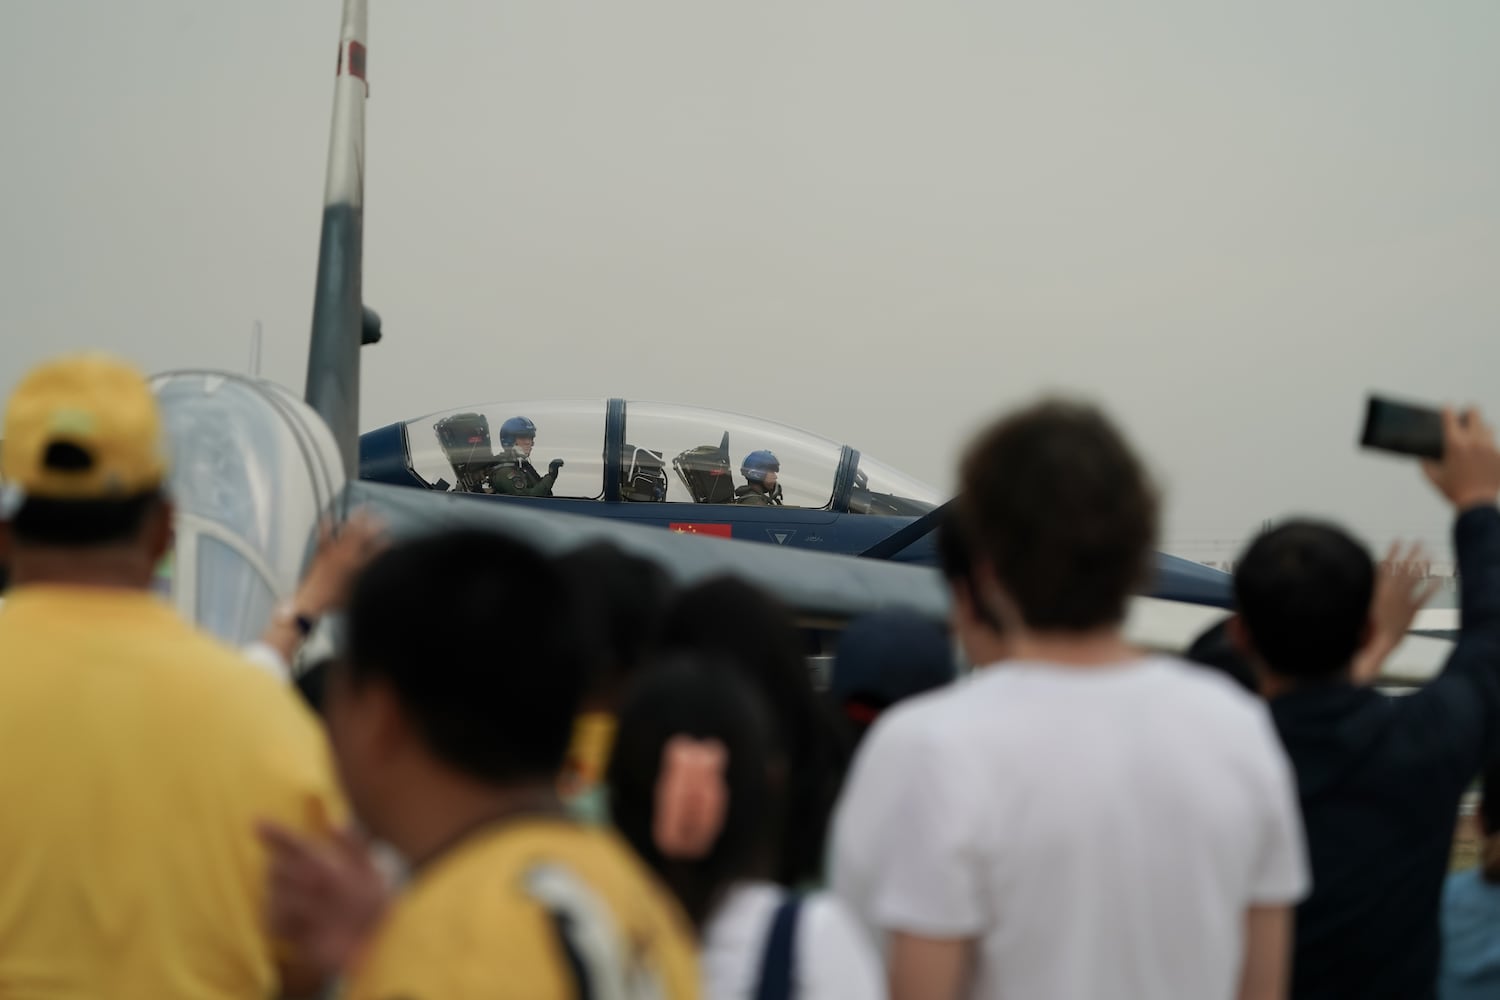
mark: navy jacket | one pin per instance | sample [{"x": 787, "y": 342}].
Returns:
[{"x": 1380, "y": 779}]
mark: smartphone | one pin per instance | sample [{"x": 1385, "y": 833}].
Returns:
[{"x": 1403, "y": 428}]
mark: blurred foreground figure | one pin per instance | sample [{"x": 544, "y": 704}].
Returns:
[
  {"x": 726, "y": 620},
  {"x": 1471, "y": 911},
  {"x": 975, "y": 627},
  {"x": 138, "y": 751},
  {"x": 697, "y": 785},
  {"x": 1083, "y": 820},
  {"x": 1380, "y": 777},
  {"x": 450, "y": 751},
  {"x": 623, "y": 599}
]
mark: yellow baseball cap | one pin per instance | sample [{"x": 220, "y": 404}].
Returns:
[{"x": 82, "y": 427}]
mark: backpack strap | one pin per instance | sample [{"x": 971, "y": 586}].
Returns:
[{"x": 779, "y": 958}]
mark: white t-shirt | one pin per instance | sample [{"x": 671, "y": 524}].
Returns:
[
  {"x": 1099, "y": 831},
  {"x": 832, "y": 955}
]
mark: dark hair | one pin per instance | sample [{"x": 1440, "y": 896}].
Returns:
[
  {"x": 312, "y": 683},
  {"x": 1054, "y": 498},
  {"x": 622, "y": 599},
  {"x": 733, "y": 620},
  {"x": 1304, "y": 591},
  {"x": 956, "y": 560},
  {"x": 83, "y": 523},
  {"x": 1214, "y": 649},
  {"x": 434, "y": 619},
  {"x": 710, "y": 700}
]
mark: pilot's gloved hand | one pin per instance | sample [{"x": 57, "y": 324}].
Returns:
[{"x": 554, "y": 465}]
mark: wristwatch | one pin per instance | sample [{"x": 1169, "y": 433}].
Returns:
[{"x": 288, "y": 614}]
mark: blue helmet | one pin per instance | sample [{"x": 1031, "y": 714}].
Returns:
[
  {"x": 516, "y": 427},
  {"x": 757, "y": 464}
]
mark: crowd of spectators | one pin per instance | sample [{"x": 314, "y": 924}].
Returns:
[{"x": 533, "y": 778}]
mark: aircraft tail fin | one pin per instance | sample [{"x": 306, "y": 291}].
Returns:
[{"x": 340, "y": 322}]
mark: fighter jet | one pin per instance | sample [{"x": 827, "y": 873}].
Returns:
[{"x": 257, "y": 467}]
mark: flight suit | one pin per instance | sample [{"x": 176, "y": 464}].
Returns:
[
  {"x": 518, "y": 477},
  {"x": 752, "y": 495}
]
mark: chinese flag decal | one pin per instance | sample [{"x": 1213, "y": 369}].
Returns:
[{"x": 685, "y": 528}]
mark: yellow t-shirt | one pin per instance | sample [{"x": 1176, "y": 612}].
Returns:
[
  {"x": 137, "y": 755},
  {"x": 498, "y": 916}
]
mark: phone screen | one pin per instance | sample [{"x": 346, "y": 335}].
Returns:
[{"x": 1403, "y": 428}]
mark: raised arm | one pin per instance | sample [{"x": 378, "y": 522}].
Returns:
[
  {"x": 1461, "y": 707},
  {"x": 1469, "y": 477},
  {"x": 1401, "y": 590}
]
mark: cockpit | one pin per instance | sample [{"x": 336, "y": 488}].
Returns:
[{"x": 634, "y": 452}]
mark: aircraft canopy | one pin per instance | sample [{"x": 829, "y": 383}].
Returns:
[{"x": 645, "y": 451}]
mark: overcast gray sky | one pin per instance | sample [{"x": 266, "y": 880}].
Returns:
[{"x": 883, "y": 222}]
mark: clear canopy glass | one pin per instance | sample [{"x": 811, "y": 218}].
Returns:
[
  {"x": 880, "y": 489},
  {"x": 670, "y": 453},
  {"x": 460, "y": 449},
  {"x": 706, "y": 451}
]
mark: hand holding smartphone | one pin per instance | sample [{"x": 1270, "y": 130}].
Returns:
[{"x": 1462, "y": 458}]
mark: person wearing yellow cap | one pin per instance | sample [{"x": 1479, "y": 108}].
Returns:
[{"x": 139, "y": 752}]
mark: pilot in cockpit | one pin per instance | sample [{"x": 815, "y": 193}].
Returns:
[
  {"x": 760, "y": 489},
  {"x": 513, "y": 472}
]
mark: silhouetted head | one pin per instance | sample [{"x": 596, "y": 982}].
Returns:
[
  {"x": 1215, "y": 648},
  {"x": 1303, "y": 591},
  {"x": 707, "y": 705},
  {"x": 623, "y": 598},
  {"x": 1061, "y": 513},
  {"x": 431, "y": 678},
  {"x": 974, "y": 623},
  {"x": 729, "y": 620}
]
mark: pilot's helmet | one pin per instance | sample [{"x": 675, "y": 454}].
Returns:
[
  {"x": 757, "y": 464},
  {"x": 516, "y": 427}
]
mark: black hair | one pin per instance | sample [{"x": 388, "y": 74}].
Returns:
[
  {"x": 707, "y": 700},
  {"x": 623, "y": 599},
  {"x": 733, "y": 620},
  {"x": 956, "y": 560},
  {"x": 1214, "y": 649},
  {"x": 435, "y": 619},
  {"x": 312, "y": 683},
  {"x": 1055, "y": 499},
  {"x": 1304, "y": 592},
  {"x": 82, "y": 523}
]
